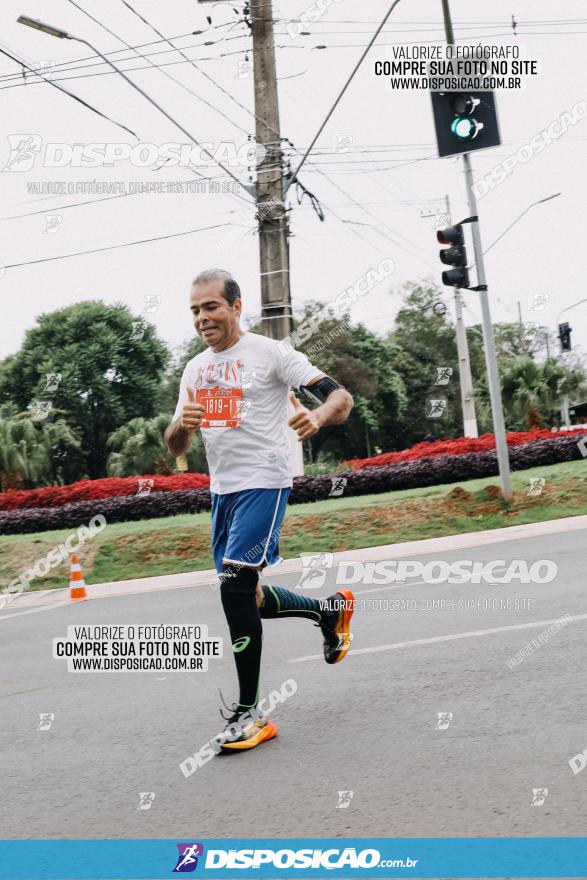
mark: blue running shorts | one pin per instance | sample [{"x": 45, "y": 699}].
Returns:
[{"x": 246, "y": 526}]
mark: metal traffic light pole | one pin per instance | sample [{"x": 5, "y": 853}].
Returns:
[
  {"x": 564, "y": 336},
  {"x": 489, "y": 342},
  {"x": 488, "y": 338}
]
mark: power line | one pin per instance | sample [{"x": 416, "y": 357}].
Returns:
[
  {"x": 190, "y": 168},
  {"x": 399, "y": 205},
  {"x": 55, "y": 208},
  {"x": 331, "y": 181},
  {"x": 155, "y": 104},
  {"x": 373, "y": 217},
  {"x": 344, "y": 88},
  {"x": 365, "y": 148},
  {"x": 434, "y": 23},
  {"x": 20, "y": 84},
  {"x": 362, "y": 164},
  {"x": 203, "y": 72},
  {"x": 320, "y": 47},
  {"x": 116, "y": 246},
  {"x": 207, "y": 178},
  {"x": 158, "y": 107},
  {"x": 349, "y": 224},
  {"x": 293, "y": 178},
  {"x": 423, "y": 42},
  {"x": 218, "y": 86},
  {"x": 399, "y": 30},
  {"x": 62, "y": 65},
  {"x": 164, "y": 72},
  {"x": 251, "y": 113},
  {"x": 71, "y": 95}
]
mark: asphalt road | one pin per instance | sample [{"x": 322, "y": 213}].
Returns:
[{"x": 368, "y": 725}]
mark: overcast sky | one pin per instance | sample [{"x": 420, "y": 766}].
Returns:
[{"x": 390, "y": 166}]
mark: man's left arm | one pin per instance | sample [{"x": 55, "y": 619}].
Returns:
[{"x": 334, "y": 406}]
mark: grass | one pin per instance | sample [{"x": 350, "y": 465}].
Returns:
[{"x": 182, "y": 543}]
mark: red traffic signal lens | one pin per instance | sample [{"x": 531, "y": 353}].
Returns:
[
  {"x": 450, "y": 235},
  {"x": 463, "y": 105}
]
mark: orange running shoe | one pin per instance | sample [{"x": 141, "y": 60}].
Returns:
[
  {"x": 252, "y": 734},
  {"x": 335, "y": 628}
]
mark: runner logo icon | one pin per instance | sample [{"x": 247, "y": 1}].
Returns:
[
  {"x": 187, "y": 859},
  {"x": 314, "y": 570}
]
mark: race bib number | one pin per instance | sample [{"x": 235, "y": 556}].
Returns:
[{"x": 223, "y": 407}]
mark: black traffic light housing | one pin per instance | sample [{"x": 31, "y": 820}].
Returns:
[
  {"x": 464, "y": 121},
  {"x": 564, "y": 334},
  {"x": 454, "y": 255}
]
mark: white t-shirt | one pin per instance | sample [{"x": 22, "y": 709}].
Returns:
[{"x": 256, "y": 453}]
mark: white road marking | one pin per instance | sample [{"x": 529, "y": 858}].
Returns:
[
  {"x": 450, "y": 638},
  {"x": 35, "y": 610},
  {"x": 397, "y": 586},
  {"x": 400, "y": 584}
]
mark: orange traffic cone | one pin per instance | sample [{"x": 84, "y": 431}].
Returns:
[{"x": 77, "y": 584}]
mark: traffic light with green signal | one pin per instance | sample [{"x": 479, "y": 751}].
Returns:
[
  {"x": 454, "y": 255},
  {"x": 464, "y": 122}
]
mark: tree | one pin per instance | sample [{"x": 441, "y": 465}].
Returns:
[
  {"x": 36, "y": 454},
  {"x": 531, "y": 391},
  {"x": 423, "y": 341},
  {"x": 514, "y": 340},
  {"x": 15, "y": 465},
  {"x": 360, "y": 361},
  {"x": 107, "y": 366},
  {"x": 138, "y": 448}
]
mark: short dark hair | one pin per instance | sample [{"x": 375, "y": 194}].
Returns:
[{"x": 231, "y": 290}]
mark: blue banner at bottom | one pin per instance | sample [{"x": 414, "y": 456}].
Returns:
[{"x": 285, "y": 857}]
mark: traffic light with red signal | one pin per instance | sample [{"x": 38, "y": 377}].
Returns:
[{"x": 454, "y": 255}]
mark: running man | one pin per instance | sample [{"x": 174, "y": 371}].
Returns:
[{"x": 236, "y": 393}]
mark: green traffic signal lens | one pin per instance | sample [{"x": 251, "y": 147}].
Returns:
[{"x": 465, "y": 128}]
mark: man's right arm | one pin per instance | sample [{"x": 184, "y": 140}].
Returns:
[{"x": 178, "y": 435}]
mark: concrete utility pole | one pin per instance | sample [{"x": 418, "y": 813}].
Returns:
[
  {"x": 276, "y": 312},
  {"x": 465, "y": 378},
  {"x": 467, "y": 394},
  {"x": 520, "y": 321},
  {"x": 488, "y": 338}
]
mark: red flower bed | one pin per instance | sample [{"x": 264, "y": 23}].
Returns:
[
  {"x": 431, "y": 471},
  {"x": 91, "y": 490},
  {"x": 460, "y": 446}
]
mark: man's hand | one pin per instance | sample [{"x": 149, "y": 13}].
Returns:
[
  {"x": 192, "y": 413},
  {"x": 304, "y": 421},
  {"x": 178, "y": 435}
]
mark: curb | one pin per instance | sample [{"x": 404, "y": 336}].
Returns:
[{"x": 39, "y": 598}]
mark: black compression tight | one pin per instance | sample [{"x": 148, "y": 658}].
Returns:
[{"x": 238, "y": 594}]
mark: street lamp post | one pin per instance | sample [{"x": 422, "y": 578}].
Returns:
[
  {"x": 45, "y": 28},
  {"x": 525, "y": 211}
]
